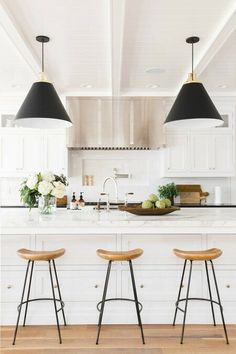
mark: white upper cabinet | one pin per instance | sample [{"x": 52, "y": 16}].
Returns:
[
  {"x": 176, "y": 153},
  {"x": 198, "y": 155},
  {"x": 201, "y": 153},
  {"x": 224, "y": 155},
  {"x": 23, "y": 152},
  {"x": 33, "y": 153},
  {"x": 55, "y": 153},
  {"x": 12, "y": 154}
]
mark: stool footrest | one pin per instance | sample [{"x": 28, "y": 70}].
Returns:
[
  {"x": 197, "y": 299},
  {"x": 43, "y": 299},
  {"x": 119, "y": 299}
]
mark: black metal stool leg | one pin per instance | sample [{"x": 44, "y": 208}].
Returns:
[
  {"x": 179, "y": 294},
  {"x": 103, "y": 300},
  {"x": 28, "y": 294},
  {"x": 186, "y": 301},
  {"x": 59, "y": 291},
  {"x": 22, "y": 298},
  {"x": 136, "y": 299},
  {"x": 221, "y": 308},
  {"x": 54, "y": 300},
  {"x": 210, "y": 294}
]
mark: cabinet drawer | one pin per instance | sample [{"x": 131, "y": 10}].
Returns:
[
  {"x": 9, "y": 245},
  {"x": 160, "y": 285},
  {"x": 158, "y": 249},
  {"x": 79, "y": 249},
  {"x": 227, "y": 244},
  {"x": 12, "y": 285},
  {"x": 78, "y": 285},
  {"x": 226, "y": 280}
]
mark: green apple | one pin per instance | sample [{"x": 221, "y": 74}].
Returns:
[
  {"x": 153, "y": 198},
  {"x": 167, "y": 203},
  {"x": 160, "y": 204},
  {"x": 147, "y": 204}
]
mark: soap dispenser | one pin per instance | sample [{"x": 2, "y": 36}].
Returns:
[
  {"x": 73, "y": 204},
  {"x": 81, "y": 202}
]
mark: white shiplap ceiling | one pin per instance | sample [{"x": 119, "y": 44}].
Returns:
[{"x": 109, "y": 44}]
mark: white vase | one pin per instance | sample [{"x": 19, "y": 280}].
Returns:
[{"x": 47, "y": 204}]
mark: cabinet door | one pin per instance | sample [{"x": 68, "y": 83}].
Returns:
[
  {"x": 201, "y": 153},
  {"x": 55, "y": 153},
  {"x": 176, "y": 154},
  {"x": 11, "y": 153},
  {"x": 223, "y": 155},
  {"x": 33, "y": 153}
]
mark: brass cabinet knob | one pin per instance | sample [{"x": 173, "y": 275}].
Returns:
[
  {"x": 96, "y": 286},
  {"x": 228, "y": 286},
  {"x": 141, "y": 286}
]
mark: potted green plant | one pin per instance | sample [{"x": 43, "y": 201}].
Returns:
[{"x": 168, "y": 191}]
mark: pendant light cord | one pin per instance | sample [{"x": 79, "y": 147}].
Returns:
[
  {"x": 192, "y": 60},
  {"x": 42, "y": 57}
]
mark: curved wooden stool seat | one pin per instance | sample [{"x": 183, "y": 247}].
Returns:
[
  {"x": 205, "y": 255},
  {"x": 120, "y": 256},
  {"x": 32, "y": 257},
  {"x": 40, "y": 255}
]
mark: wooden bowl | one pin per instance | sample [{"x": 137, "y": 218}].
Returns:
[{"x": 138, "y": 210}]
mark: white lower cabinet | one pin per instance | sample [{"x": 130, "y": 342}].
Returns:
[
  {"x": 82, "y": 274},
  {"x": 79, "y": 249},
  {"x": 160, "y": 285},
  {"x": 158, "y": 249},
  {"x": 9, "y": 246}
]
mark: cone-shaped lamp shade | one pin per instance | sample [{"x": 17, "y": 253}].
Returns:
[
  {"x": 42, "y": 108},
  {"x": 193, "y": 108}
]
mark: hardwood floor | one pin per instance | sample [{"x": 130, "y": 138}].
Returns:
[{"x": 118, "y": 339}]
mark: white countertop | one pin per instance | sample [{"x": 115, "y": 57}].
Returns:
[{"x": 188, "y": 220}]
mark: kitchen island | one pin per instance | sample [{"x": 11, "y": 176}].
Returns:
[{"x": 82, "y": 273}]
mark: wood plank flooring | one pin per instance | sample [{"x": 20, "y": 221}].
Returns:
[{"x": 119, "y": 339}]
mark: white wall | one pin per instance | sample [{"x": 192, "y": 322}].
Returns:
[{"x": 144, "y": 168}]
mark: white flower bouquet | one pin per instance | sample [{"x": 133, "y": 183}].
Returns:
[{"x": 43, "y": 188}]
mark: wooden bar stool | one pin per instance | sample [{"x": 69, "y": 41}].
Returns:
[
  {"x": 205, "y": 256},
  {"x": 31, "y": 257},
  {"x": 112, "y": 256}
]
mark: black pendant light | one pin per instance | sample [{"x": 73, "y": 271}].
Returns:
[
  {"x": 193, "y": 107},
  {"x": 42, "y": 108}
]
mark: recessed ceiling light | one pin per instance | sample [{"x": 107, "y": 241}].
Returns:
[
  {"x": 152, "y": 86},
  {"x": 87, "y": 86},
  {"x": 222, "y": 86},
  {"x": 155, "y": 70},
  {"x": 15, "y": 86}
]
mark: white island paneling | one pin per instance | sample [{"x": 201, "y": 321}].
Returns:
[{"x": 82, "y": 273}]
